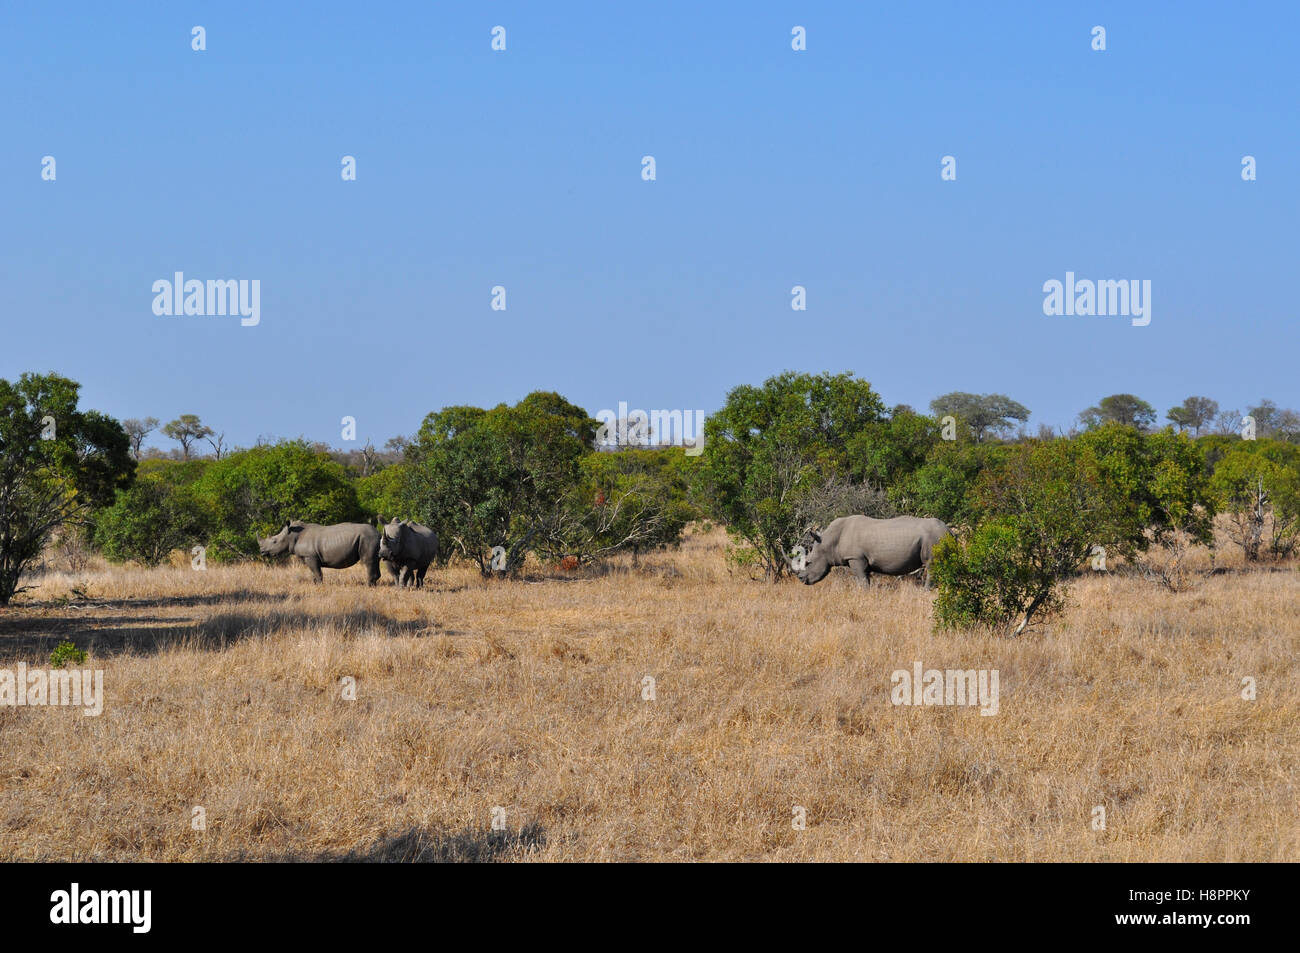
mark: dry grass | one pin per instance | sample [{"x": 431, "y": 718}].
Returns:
[{"x": 224, "y": 691}]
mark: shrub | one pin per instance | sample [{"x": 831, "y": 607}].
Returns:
[
  {"x": 253, "y": 492},
  {"x": 382, "y": 494},
  {"x": 486, "y": 478},
  {"x": 66, "y": 652},
  {"x": 771, "y": 448},
  {"x": 1046, "y": 507},
  {"x": 988, "y": 580},
  {"x": 626, "y": 500},
  {"x": 1257, "y": 483},
  {"x": 57, "y": 464},
  {"x": 148, "y": 521}
]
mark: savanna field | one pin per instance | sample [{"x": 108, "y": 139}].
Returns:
[{"x": 225, "y": 691}]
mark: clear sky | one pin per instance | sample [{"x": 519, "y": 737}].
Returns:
[{"x": 522, "y": 168}]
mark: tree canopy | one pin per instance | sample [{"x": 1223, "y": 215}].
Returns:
[{"x": 57, "y": 464}]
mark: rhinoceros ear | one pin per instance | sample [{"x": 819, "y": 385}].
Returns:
[{"x": 816, "y": 537}]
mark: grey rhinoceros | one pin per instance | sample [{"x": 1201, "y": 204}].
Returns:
[
  {"x": 892, "y": 547},
  {"x": 337, "y": 546},
  {"x": 408, "y": 548}
]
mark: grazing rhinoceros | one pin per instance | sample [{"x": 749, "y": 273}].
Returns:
[
  {"x": 408, "y": 547},
  {"x": 333, "y": 547},
  {"x": 893, "y": 547}
]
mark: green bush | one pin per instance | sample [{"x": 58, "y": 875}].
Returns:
[
  {"x": 986, "y": 580},
  {"x": 1257, "y": 484},
  {"x": 487, "y": 478},
  {"x": 942, "y": 486},
  {"x": 631, "y": 499},
  {"x": 772, "y": 450},
  {"x": 224, "y": 504},
  {"x": 888, "y": 452},
  {"x": 254, "y": 492},
  {"x": 1044, "y": 507},
  {"x": 66, "y": 652},
  {"x": 383, "y": 494},
  {"x": 147, "y": 521},
  {"x": 58, "y": 464}
]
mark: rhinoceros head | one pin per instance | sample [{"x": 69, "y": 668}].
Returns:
[
  {"x": 281, "y": 542},
  {"x": 390, "y": 541},
  {"x": 818, "y": 561}
]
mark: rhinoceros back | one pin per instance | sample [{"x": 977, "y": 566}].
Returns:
[
  {"x": 340, "y": 545},
  {"x": 425, "y": 543},
  {"x": 893, "y": 547}
]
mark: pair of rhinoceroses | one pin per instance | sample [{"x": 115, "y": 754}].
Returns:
[
  {"x": 892, "y": 547},
  {"x": 407, "y": 547}
]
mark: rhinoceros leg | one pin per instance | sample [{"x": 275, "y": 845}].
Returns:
[
  {"x": 419, "y": 576},
  {"x": 312, "y": 563},
  {"x": 858, "y": 566}
]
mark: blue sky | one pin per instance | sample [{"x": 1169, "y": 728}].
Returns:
[{"x": 522, "y": 168}]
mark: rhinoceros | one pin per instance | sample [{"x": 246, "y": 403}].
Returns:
[
  {"x": 408, "y": 548},
  {"x": 337, "y": 546},
  {"x": 892, "y": 547}
]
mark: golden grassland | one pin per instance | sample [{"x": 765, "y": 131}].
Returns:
[{"x": 224, "y": 691}]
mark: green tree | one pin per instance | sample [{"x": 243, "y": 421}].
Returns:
[
  {"x": 1179, "y": 488},
  {"x": 888, "y": 451},
  {"x": 1047, "y": 505},
  {"x": 1161, "y": 480},
  {"x": 147, "y": 521},
  {"x": 57, "y": 464},
  {"x": 1194, "y": 414},
  {"x": 489, "y": 478},
  {"x": 941, "y": 487},
  {"x": 383, "y": 494},
  {"x": 772, "y": 447},
  {"x": 634, "y": 499},
  {"x": 186, "y": 430},
  {"x": 987, "y": 415},
  {"x": 254, "y": 492},
  {"x": 1257, "y": 483},
  {"x": 1124, "y": 409}
]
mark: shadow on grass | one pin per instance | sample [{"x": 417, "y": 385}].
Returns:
[
  {"x": 34, "y": 637},
  {"x": 225, "y": 628},
  {"x": 424, "y": 846},
  {"x": 91, "y": 603}
]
